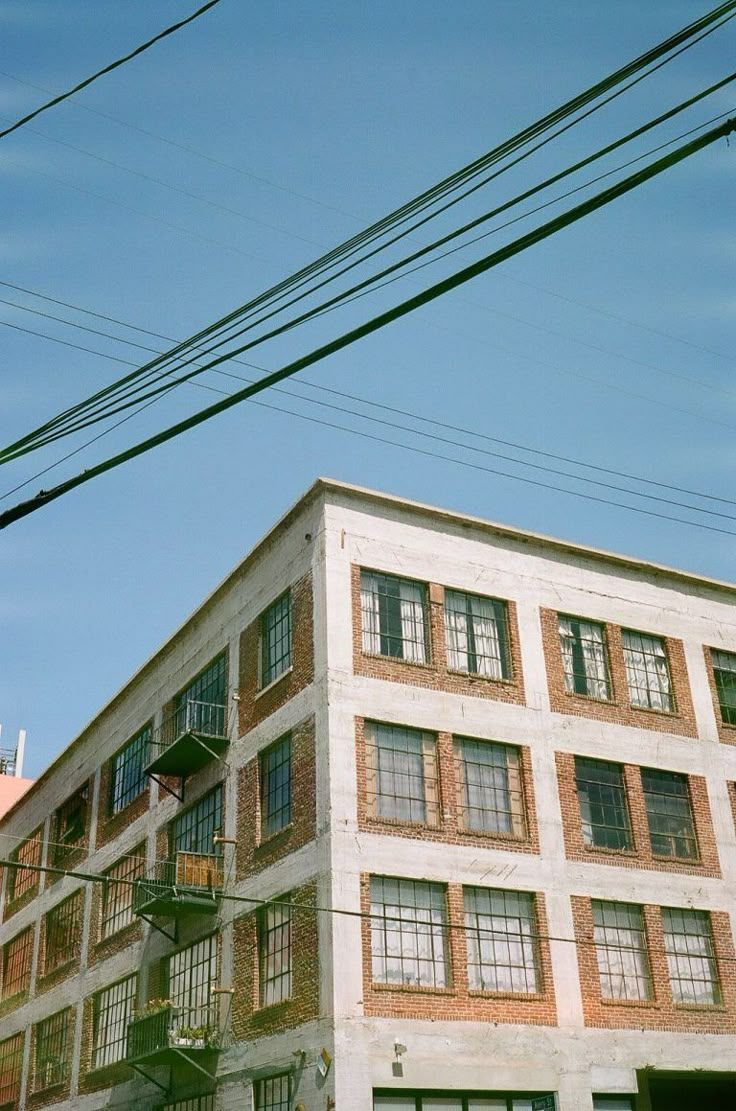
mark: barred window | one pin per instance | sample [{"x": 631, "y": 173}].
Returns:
[
  {"x": 21, "y": 880},
  {"x": 647, "y": 671},
  {"x": 409, "y": 942},
  {"x": 477, "y": 632},
  {"x": 195, "y": 829},
  {"x": 275, "y": 777},
  {"x": 117, "y": 893},
  {"x": 669, "y": 814},
  {"x": 273, "y": 1093},
  {"x": 621, "y": 950},
  {"x": 70, "y": 826},
  {"x": 63, "y": 926},
  {"x": 195, "y": 1103},
  {"x": 276, "y": 638},
  {"x": 604, "y": 811},
  {"x": 401, "y": 774},
  {"x": 395, "y": 617},
  {"x": 489, "y": 787},
  {"x": 191, "y": 974},
  {"x": 501, "y": 931},
  {"x": 52, "y": 1055},
  {"x": 585, "y": 658},
  {"x": 112, "y": 1009},
  {"x": 128, "y": 778},
  {"x": 11, "y": 1068},
  {"x": 691, "y": 958},
  {"x": 274, "y": 946},
  {"x": 724, "y": 671},
  {"x": 17, "y": 957}
]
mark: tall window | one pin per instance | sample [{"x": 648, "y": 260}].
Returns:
[
  {"x": 21, "y": 880},
  {"x": 669, "y": 814},
  {"x": 275, "y": 777},
  {"x": 52, "y": 1056},
  {"x": 490, "y": 793},
  {"x": 395, "y": 617},
  {"x": 724, "y": 670},
  {"x": 201, "y": 706},
  {"x": 195, "y": 829},
  {"x": 401, "y": 773},
  {"x": 501, "y": 931},
  {"x": 276, "y": 639},
  {"x": 117, "y": 893},
  {"x": 128, "y": 778},
  {"x": 273, "y": 1093},
  {"x": 621, "y": 950},
  {"x": 603, "y": 808},
  {"x": 191, "y": 974},
  {"x": 409, "y": 933},
  {"x": 112, "y": 1009},
  {"x": 70, "y": 825},
  {"x": 477, "y": 635},
  {"x": 17, "y": 956},
  {"x": 647, "y": 671},
  {"x": 584, "y": 658},
  {"x": 11, "y": 1068},
  {"x": 63, "y": 926},
  {"x": 691, "y": 958},
  {"x": 274, "y": 949}
]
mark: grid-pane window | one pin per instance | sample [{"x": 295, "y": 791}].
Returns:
[
  {"x": 477, "y": 635},
  {"x": 401, "y": 773},
  {"x": 409, "y": 933},
  {"x": 273, "y": 1093},
  {"x": 70, "y": 825},
  {"x": 669, "y": 814},
  {"x": 394, "y": 616},
  {"x": 276, "y": 639},
  {"x": 17, "y": 956},
  {"x": 274, "y": 944},
  {"x": 191, "y": 974},
  {"x": 584, "y": 657},
  {"x": 63, "y": 925},
  {"x": 275, "y": 772},
  {"x": 501, "y": 929},
  {"x": 724, "y": 670},
  {"x": 647, "y": 671},
  {"x": 210, "y": 686},
  {"x": 128, "y": 778},
  {"x": 194, "y": 830},
  {"x": 117, "y": 893},
  {"x": 52, "y": 1051},
  {"x": 11, "y": 1068},
  {"x": 490, "y": 793},
  {"x": 691, "y": 958},
  {"x": 112, "y": 1009},
  {"x": 604, "y": 810},
  {"x": 21, "y": 880},
  {"x": 621, "y": 951},
  {"x": 196, "y": 1103}
]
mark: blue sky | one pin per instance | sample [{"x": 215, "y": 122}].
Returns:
[{"x": 611, "y": 342}]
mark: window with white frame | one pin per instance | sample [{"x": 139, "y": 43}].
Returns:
[
  {"x": 691, "y": 958},
  {"x": 724, "y": 672},
  {"x": 117, "y": 893},
  {"x": 112, "y": 1009},
  {"x": 128, "y": 778},
  {"x": 409, "y": 943},
  {"x": 647, "y": 671},
  {"x": 501, "y": 931},
  {"x": 274, "y": 951},
  {"x": 191, "y": 974},
  {"x": 669, "y": 814},
  {"x": 489, "y": 787},
  {"x": 401, "y": 774},
  {"x": 584, "y": 657},
  {"x": 276, "y": 639},
  {"x": 477, "y": 632},
  {"x": 273, "y": 1093},
  {"x": 395, "y": 617},
  {"x": 621, "y": 950}
]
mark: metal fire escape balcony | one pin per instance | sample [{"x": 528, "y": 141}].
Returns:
[
  {"x": 191, "y": 883},
  {"x": 187, "y": 740},
  {"x": 171, "y": 1035}
]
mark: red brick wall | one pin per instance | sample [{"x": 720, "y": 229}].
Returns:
[
  {"x": 249, "y": 1019},
  {"x": 253, "y": 854},
  {"x": 641, "y": 855},
  {"x": 256, "y": 705},
  {"x": 449, "y": 828},
  {"x": 435, "y": 673},
  {"x": 660, "y": 1013},
  {"x": 458, "y": 1002},
  {"x": 619, "y": 709},
  {"x": 726, "y": 732}
]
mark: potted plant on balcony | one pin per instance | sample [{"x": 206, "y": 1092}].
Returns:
[
  {"x": 153, "y": 1006},
  {"x": 190, "y": 1037}
]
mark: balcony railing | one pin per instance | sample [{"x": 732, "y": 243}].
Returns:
[
  {"x": 189, "y": 738},
  {"x": 191, "y": 883},
  {"x": 159, "y": 1037}
]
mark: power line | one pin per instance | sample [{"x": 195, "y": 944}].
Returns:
[{"x": 109, "y": 68}]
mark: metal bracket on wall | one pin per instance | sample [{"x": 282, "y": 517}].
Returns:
[
  {"x": 171, "y": 937},
  {"x": 166, "y": 787},
  {"x": 165, "y": 1088}
]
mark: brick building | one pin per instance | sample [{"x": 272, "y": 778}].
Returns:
[{"x": 505, "y": 762}]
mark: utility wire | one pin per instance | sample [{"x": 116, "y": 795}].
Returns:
[
  {"x": 109, "y": 68},
  {"x": 398, "y": 311}
]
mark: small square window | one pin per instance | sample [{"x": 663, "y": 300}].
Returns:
[
  {"x": 621, "y": 950},
  {"x": 128, "y": 778},
  {"x": 275, "y": 782},
  {"x": 274, "y": 949},
  {"x": 585, "y": 658},
  {"x": 477, "y": 635},
  {"x": 724, "y": 671},
  {"x": 395, "y": 617},
  {"x": 604, "y": 810},
  {"x": 647, "y": 671},
  {"x": 669, "y": 814},
  {"x": 276, "y": 639},
  {"x": 490, "y": 793},
  {"x": 401, "y": 774},
  {"x": 691, "y": 958}
]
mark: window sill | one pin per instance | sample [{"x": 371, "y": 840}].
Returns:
[
  {"x": 273, "y": 683},
  {"x": 590, "y": 698},
  {"x": 269, "y": 1009},
  {"x": 638, "y": 1004},
  {"x": 490, "y": 835},
  {"x": 687, "y": 861},
  {"x": 59, "y": 1086},
  {"x": 604, "y": 850},
  {"x": 476, "y": 677},
  {"x": 520, "y": 996},
  {"x": 267, "y": 842},
  {"x": 653, "y": 710},
  {"x": 413, "y": 989},
  {"x": 707, "y": 1008},
  {"x": 422, "y": 665}
]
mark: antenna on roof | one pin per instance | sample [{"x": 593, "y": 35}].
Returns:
[{"x": 11, "y": 759}]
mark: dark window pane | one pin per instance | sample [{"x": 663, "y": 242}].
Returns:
[
  {"x": 724, "y": 670},
  {"x": 669, "y": 814},
  {"x": 128, "y": 779},
  {"x": 276, "y": 639},
  {"x": 603, "y": 808},
  {"x": 584, "y": 657},
  {"x": 276, "y": 787},
  {"x": 194, "y": 830}
]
